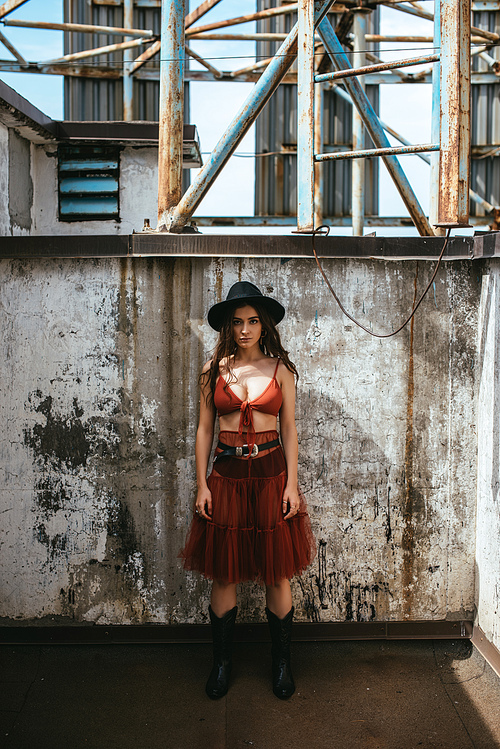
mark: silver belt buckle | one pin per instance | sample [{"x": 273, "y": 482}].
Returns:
[{"x": 239, "y": 451}]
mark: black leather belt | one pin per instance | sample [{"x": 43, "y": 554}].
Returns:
[{"x": 242, "y": 451}]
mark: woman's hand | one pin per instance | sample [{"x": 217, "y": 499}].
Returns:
[
  {"x": 203, "y": 505},
  {"x": 291, "y": 500}
]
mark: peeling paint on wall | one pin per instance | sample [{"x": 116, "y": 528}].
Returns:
[{"x": 100, "y": 360}]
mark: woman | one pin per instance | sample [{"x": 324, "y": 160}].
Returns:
[{"x": 250, "y": 519}]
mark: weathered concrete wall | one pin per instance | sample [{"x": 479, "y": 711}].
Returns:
[
  {"x": 16, "y": 188},
  {"x": 99, "y": 363},
  {"x": 488, "y": 484},
  {"x": 20, "y": 184},
  {"x": 4, "y": 181},
  {"x": 138, "y": 194}
]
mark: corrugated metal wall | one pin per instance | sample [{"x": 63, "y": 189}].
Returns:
[
  {"x": 92, "y": 99},
  {"x": 276, "y": 131},
  {"x": 485, "y": 171}
]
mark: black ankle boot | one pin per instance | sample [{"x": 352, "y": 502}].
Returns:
[
  {"x": 222, "y": 635},
  {"x": 281, "y": 635}
]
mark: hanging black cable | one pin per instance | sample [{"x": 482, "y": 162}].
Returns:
[{"x": 415, "y": 306}]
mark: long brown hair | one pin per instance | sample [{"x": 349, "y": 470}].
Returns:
[{"x": 226, "y": 348}]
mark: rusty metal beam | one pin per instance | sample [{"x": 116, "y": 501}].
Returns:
[
  {"x": 371, "y": 152},
  {"x": 98, "y": 51},
  {"x": 367, "y": 69},
  {"x": 83, "y": 28},
  {"x": 269, "y": 13},
  {"x": 305, "y": 117},
  {"x": 318, "y": 148},
  {"x": 340, "y": 61},
  {"x": 421, "y": 13},
  {"x": 128, "y": 58},
  {"x": 240, "y": 124},
  {"x": 171, "y": 109},
  {"x": 251, "y": 68},
  {"x": 10, "y": 5},
  {"x": 13, "y": 50},
  {"x": 359, "y": 27},
  {"x": 200, "y": 11},
  {"x": 216, "y": 73},
  {"x": 454, "y": 160},
  {"x": 147, "y": 55}
]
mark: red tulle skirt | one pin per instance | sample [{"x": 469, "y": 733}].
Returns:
[{"x": 247, "y": 537}]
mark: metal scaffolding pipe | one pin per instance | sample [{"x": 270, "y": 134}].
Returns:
[
  {"x": 370, "y": 152},
  {"x": 9, "y": 6},
  {"x": 359, "y": 27},
  {"x": 305, "y": 117},
  {"x": 128, "y": 58},
  {"x": 83, "y": 28},
  {"x": 147, "y": 55},
  {"x": 366, "y": 69},
  {"x": 421, "y": 13},
  {"x": 216, "y": 73},
  {"x": 171, "y": 116},
  {"x": 107, "y": 50},
  {"x": 251, "y": 108},
  {"x": 250, "y": 68},
  {"x": 13, "y": 51},
  {"x": 200, "y": 11},
  {"x": 318, "y": 147},
  {"x": 269, "y": 13},
  {"x": 435, "y": 128},
  {"x": 372, "y": 123},
  {"x": 454, "y": 159}
]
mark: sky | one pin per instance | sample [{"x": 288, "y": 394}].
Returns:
[{"x": 406, "y": 107}]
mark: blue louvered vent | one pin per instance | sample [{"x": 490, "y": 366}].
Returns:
[{"x": 89, "y": 183}]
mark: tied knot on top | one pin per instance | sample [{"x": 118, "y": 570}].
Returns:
[
  {"x": 246, "y": 421},
  {"x": 246, "y": 418}
]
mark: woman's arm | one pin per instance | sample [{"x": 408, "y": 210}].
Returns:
[
  {"x": 204, "y": 439},
  {"x": 288, "y": 432}
]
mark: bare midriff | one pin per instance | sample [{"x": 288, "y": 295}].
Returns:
[{"x": 262, "y": 422}]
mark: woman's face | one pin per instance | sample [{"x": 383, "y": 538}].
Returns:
[{"x": 247, "y": 327}]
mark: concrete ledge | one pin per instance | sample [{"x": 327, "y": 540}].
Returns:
[
  {"x": 162, "y": 633},
  {"x": 211, "y": 245}
]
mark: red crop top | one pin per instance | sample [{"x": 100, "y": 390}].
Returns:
[{"x": 268, "y": 402}]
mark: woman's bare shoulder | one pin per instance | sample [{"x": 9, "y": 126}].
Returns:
[
  {"x": 284, "y": 375},
  {"x": 206, "y": 366}
]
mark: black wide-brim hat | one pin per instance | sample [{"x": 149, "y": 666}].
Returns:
[{"x": 241, "y": 293}]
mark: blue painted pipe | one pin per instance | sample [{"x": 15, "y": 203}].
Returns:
[
  {"x": 340, "y": 62},
  {"x": 255, "y": 102}
]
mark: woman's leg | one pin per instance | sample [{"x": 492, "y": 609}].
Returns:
[
  {"x": 223, "y": 597},
  {"x": 279, "y": 598}
]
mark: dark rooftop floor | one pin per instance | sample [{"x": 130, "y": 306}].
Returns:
[{"x": 374, "y": 694}]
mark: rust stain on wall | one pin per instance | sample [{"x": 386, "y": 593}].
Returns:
[
  {"x": 219, "y": 279},
  {"x": 408, "y": 537}
]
